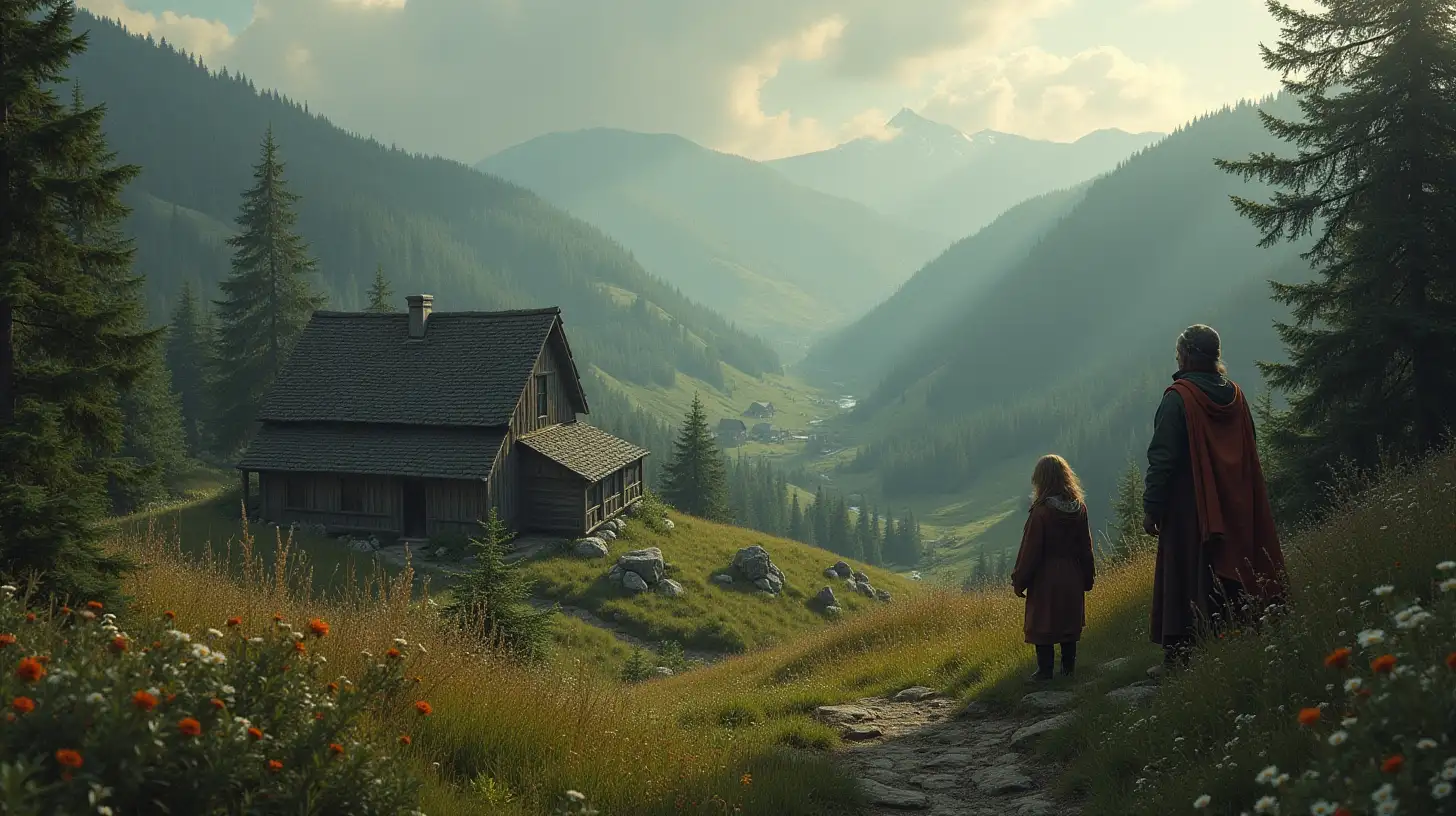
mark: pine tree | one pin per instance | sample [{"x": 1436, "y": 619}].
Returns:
[
  {"x": 1126, "y": 535},
  {"x": 696, "y": 481},
  {"x": 492, "y": 597},
  {"x": 381, "y": 295},
  {"x": 154, "y": 440},
  {"x": 796, "y": 520},
  {"x": 266, "y": 301},
  {"x": 188, "y": 340},
  {"x": 819, "y": 515},
  {"x": 862, "y": 542},
  {"x": 874, "y": 550},
  {"x": 70, "y": 336},
  {"x": 1370, "y": 365}
]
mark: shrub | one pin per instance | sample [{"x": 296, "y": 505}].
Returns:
[
  {"x": 100, "y": 720},
  {"x": 638, "y": 667},
  {"x": 652, "y": 512}
]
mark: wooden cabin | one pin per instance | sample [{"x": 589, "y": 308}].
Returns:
[{"x": 417, "y": 424}]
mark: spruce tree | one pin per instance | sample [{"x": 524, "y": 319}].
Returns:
[
  {"x": 819, "y": 517},
  {"x": 1370, "y": 366},
  {"x": 266, "y": 301},
  {"x": 862, "y": 542},
  {"x": 71, "y": 340},
  {"x": 381, "y": 295},
  {"x": 1127, "y": 512},
  {"x": 796, "y": 520},
  {"x": 695, "y": 481},
  {"x": 154, "y": 440},
  {"x": 492, "y": 598},
  {"x": 188, "y": 339}
]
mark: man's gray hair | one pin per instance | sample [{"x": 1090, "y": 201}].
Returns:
[{"x": 1200, "y": 349}]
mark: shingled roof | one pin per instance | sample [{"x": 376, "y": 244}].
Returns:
[
  {"x": 469, "y": 369},
  {"x": 432, "y": 453},
  {"x": 588, "y": 452}
]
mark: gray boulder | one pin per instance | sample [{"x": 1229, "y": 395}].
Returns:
[
  {"x": 842, "y": 570},
  {"x": 865, "y": 589},
  {"x": 723, "y": 579},
  {"x": 914, "y": 694},
  {"x": 825, "y": 597},
  {"x": 882, "y": 594},
  {"x": 662, "y": 671},
  {"x": 1036, "y": 730},
  {"x": 1049, "y": 701},
  {"x": 608, "y": 534},
  {"x": 611, "y": 524},
  {"x": 897, "y": 798},
  {"x": 591, "y": 547},
  {"x": 646, "y": 564},
  {"x": 833, "y": 611},
  {"x": 769, "y": 584},
  {"x": 633, "y": 582},
  {"x": 860, "y": 577},
  {"x": 1133, "y": 696},
  {"x": 754, "y": 563},
  {"x": 830, "y": 572},
  {"x": 669, "y": 588},
  {"x": 667, "y": 522}
]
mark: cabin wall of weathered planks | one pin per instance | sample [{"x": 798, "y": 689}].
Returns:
[
  {"x": 555, "y": 367},
  {"x": 554, "y": 496},
  {"x": 454, "y": 507},
  {"x": 321, "y": 494}
]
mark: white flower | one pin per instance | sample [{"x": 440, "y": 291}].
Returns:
[
  {"x": 95, "y": 697},
  {"x": 1448, "y": 773},
  {"x": 576, "y": 796},
  {"x": 1353, "y": 684},
  {"x": 200, "y": 651},
  {"x": 226, "y": 689},
  {"x": 214, "y": 633},
  {"x": 1448, "y": 585},
  {"x": 1268, "y": 804},
  {"x": 1321, "y": 808},
  {"x": 1426, "y": 744},
  {"x": 1267, "y": 776},
  {"x": 180, "y": 637},
  {"x": 255, "y": 640},
  {"x": 1387, "y": 808},
  {"x": 1338, "y": 738},
  {"x": 1441, "y": 790},
  {"x": 320, "y": 658},
  {"x": 1370, "y": 637},
  {"x": 1202, "y": 802},
  {"x": 1446, "y": 566},
  {"x": 1384, "y": 793},
  {"x": 103, "y": 810},
  {"x": 1382, "y": 590},
  {"x": 8, "y": 589},
  {"x": 1349, "y": 721},
  {"x": 401, "y": 642}
]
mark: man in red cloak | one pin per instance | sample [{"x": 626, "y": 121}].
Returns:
[{"x": 1206, "y": 501}]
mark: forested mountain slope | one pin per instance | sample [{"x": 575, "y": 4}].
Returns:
[
  {"x": 859, "y": 356},
  {"x": 1070, "y": 350},
  {"x": 436, "y": 226},
  {"x": 781, "y": 260}
]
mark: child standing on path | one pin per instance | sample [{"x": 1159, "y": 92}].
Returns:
[{"x": 1054, "y": 567}]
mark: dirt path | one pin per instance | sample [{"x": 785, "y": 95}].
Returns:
[{"x": 922, "y": 753}]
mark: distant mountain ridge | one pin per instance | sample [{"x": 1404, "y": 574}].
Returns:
[
  {"x": 779, "y": 259},
  {"x": 938, "y": 178}
]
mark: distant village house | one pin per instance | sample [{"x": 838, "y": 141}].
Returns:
[
  {"x": 760, "y": 410},
  {"x": 732, "y": 431},
  {"x": 762, "y": 432},
  {"x": 418, "y": 424}
]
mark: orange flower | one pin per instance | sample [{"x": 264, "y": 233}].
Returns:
[
  {"x": 65, "y": 610},
  {"x": 335, "y": 748},
  {"x": 277, "y": 616},
  {"x": 1339, "y": 658},
  {"x": 1383, "y": 664},
  {"x": 404, "y": 739},
  {"x": 1392, "y": 764},
  {"x": 30, "y": 617},
  {"x": 234, "y": 621},
  {"x": 424, "y": 708},
  {"x": 189, "y": 727},
  {"x": 274, "y": 765},
  {"x": 218, "y": 704},
  {"x": 1451, "y": 661},
  {"x": 6, "y": 639},
  {"x": 169, "y": 615},
  {"x": 95, "y": 605},
  {"x": 318, "y": 715},
  {"x": 68, "y": 758},
  {"x": 1309, "y": 716},
  {"x": 318, "y": 627},
  {"x": 23, "y": 705},
  {"x": 333, "y": 688},
  {"x": 1343, "y": 811},
  {"x": 255, "y": 733},
  {"x": 170, "y": 698},
  {"x": 299, "y": 647},
  {"x": 746, "y": 780},
  {"x": 144, "y": 700},
  {"x": 156, "y": 644},
  {"x": 119, "y": 643},
  {"x": 30, "y": 670},
  {"x": 392, "y": 654}
]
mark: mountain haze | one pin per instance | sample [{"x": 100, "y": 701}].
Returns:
[
  {"x": 934, "y": 176},
  {"x": 781, "y": 260}
]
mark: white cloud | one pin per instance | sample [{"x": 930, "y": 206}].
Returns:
[
  {"x": 1043, "y": 95},
  {"x": 195, "y": 34}
]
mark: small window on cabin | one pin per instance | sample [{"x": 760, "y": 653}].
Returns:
[
  {"x": 295, "y": 493},
  {"x": 543, "y": 405},
  {"x": 351, "y": 495}
]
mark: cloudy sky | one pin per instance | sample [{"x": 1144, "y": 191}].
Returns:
[{"x": 763, "y": 78}]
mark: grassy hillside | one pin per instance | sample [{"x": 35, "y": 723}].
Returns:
[
  {"x": 778, "y": 259},
  {"x": 473, "y": 241}
]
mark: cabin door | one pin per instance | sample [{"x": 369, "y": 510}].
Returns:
[{"x": 412, "y": 502}]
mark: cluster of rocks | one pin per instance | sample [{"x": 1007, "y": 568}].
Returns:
[
  {"x": 635, "y": 509},
  {"x": 752, "y": 565},
  {"x": 360, "y": 544},
  {"x": 307, "y": 529},
  {"x": 854, "y": 581},
  {"x": 643, "y": 571},
  {"x": 595, "y": 546}
]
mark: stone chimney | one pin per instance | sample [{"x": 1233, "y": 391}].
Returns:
[{"x": 419, "y": 312}]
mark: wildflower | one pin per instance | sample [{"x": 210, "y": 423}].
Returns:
[
  {"x": 9, "y": 589},
  {"x": 274, "y": 765},
  {"x": 1392, "y": 764},
  {"x": 255, "y": 732},
  {"x": 6, "y": 639},
  {"x": 1339, "y": 658},
  {"x": 335, "y": 748},
  {"x": 576, "y": 796},
  {"x": 95, "y": 698},
  {"x": 1309, "y": 716},
  {"x": 189, "y": 727},
  {"x": 1446, "y": 566},
  {"x": 1321, "y": 808},
  {"x": 333, "y": 688},
  {"x": 1386, "y": 808},
  {"x": 68, "y": 758},
  {"x": 1370, "y": 637},
  {"x": 1451, "y": 661},
  {"x": 404, "y": 739},
  {"x": 65, "y": 610},
  {"x": 214, "y": 633},
  {"x": 1267, "y": 776},
  {"x": 392, "y": 654},
  {"x": 226, "y": 689},
  {"x": 1349, "y": 721},
  {"x": 1202, "y": 802},
  {"x": 1267, "y": 804},
  {"x": 299, "y": 647},
  {"x": 277, "y": 617},
  {"x": 1338, "y": 738},
  {"x": 120, "y": 643},
  {"x": 255, "y": 640},
  {"x": 22, "y": 705},
  {"x": 234, "y": 622},
  {"x": 1440, "y": 790},
  {"x": 1384, "y": 793},
  {"x": 144, "y": 700},
  {"x": 1383, "y": 664},
  {"x": 746, "y": 780},
  {"x": 318, "y": 627},
  {"x": 30, "y": 617},
  {"x": 169, "y": 615},
  {"x": 1426, "y": 744},
  {"x": 218, "y": 704},
  {"x": 96, "y": 605},
  {"x": 30, "y": 670},
  {"x": 424, "y": 708},
  {"x": 318, "y": 715}
]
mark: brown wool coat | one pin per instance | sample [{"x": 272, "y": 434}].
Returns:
[{"x": 1055, "y": 569}]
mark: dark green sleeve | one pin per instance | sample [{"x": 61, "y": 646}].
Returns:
[{"x": 1165, "y": 453}]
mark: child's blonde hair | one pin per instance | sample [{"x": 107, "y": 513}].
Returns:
[{"x": 1054, "y": 477}]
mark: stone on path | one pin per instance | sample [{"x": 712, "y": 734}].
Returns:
[
  {"x": 949, "y": 760},
  {"x": 897, "y": 798},
  {"x": 1049, "y": 700},
  {"x": 1133, "y": 695},
  {"x": 1037, "y": 729},
  {"x": 843, "y": 713},
  {"x": 1156, "y": 672},
  {"x": 936, "y": 782},
  {"x": 1114, "y": 664},
  {"x": 914, "y": 694},
  {"x": 999, "y": 779},
  {"x": 862, "y": 732}
]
